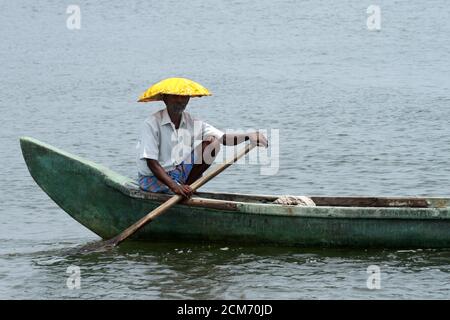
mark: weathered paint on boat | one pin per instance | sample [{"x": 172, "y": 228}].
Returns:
[{"x": 107, "y": 203}]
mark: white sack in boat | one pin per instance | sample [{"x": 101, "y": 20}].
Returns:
[{"x": 295, "y": 201}]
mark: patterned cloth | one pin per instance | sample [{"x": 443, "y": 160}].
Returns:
[{"x": 180, "y": 175}]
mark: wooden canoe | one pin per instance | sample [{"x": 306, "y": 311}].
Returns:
[{"x": 107, "y": 203}]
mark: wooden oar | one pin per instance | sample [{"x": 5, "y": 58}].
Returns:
[{"x": 108, "y": 244}]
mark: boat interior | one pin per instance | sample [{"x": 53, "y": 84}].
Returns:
[
  {"x": 212, "y": 198},
  {"x": 349, "y": 201}
]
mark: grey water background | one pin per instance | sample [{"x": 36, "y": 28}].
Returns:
[{"x": 359, "y": 112}]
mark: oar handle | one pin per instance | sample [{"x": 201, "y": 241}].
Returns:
[{"x": 177, "y": 198}]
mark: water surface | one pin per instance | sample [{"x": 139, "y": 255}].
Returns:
[{"x": 359, "y": 113}]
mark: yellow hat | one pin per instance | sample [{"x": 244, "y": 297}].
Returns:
[{"x": 176, "y": 86}]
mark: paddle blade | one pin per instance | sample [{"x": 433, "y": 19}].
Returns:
[{"x": 99, "y": 246}]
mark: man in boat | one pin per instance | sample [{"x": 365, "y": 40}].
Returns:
[{"x": 169, "y": 159}]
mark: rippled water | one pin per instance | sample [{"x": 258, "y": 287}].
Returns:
[{"x": 359, "y": 113}]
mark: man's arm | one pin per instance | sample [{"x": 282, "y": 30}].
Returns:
[
  {"x": 161, "y": 175},
  {"x": 232, "y": 139}
]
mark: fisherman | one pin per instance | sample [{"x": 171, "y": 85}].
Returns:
[{"x": 174, "y": 149}]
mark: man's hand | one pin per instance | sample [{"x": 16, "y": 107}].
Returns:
[
  {"x": 259, "y": 139},
  {"x": 182, "y": 190}
]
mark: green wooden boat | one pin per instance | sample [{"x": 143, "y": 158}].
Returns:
[{"x": 107, "y": 203}]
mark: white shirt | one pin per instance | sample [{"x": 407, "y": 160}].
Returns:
[{"x": 161, "y": 141}]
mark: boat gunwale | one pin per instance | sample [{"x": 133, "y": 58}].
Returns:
[{"x": 297, "y": 211}]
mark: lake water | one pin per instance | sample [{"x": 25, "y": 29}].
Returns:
[{"x": 359, "y": 112}]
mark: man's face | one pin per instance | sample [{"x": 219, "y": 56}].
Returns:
[{"x": 176, "y": 103}]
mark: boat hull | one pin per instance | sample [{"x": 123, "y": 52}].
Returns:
[{"x": 107, "y": 203}]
